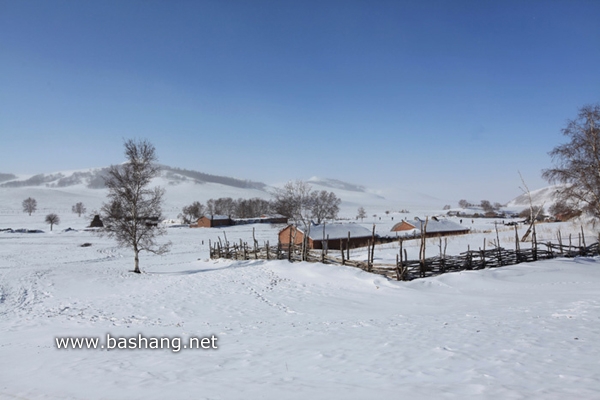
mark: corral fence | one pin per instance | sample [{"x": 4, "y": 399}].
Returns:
[{"x": 405, "y": 269}]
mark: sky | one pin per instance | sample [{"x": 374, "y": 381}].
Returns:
[{"x": 448, "y": 98}]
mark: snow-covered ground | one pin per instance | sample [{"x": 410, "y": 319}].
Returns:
[
  {"x": 286, "y": 331},
  {"x": 289, "y": 331}
]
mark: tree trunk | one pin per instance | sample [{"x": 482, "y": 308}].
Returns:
[{"x": 137, "y": 261}]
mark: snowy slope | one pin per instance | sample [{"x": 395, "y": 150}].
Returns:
[
  {"x": 289, "y": 331},
  {"x": 544, "y": 196}
]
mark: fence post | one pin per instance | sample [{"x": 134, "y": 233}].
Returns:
[
  {"x": 399, "y": 262},
  {"x": 560, "y": 245},
  {"x": 268, "y": 258},
  {"x": 583, "y": 240},
  {"x": 372, "y": 249},
  {"x": 348, "y": 247},
  {"x": 534, "y": 244}
]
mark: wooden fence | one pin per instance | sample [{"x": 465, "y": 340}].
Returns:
[{"x": 403, "y": 268}]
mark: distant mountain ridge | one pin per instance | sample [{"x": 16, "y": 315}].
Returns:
[
  {"x": 94, "y": 179},
  {"x": 7, "y": 177},
  {"x": 178, "y": 174},
  {"x": 337, "y": 184}
]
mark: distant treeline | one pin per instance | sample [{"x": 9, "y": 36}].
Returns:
[{"x": 240, "y": 208}]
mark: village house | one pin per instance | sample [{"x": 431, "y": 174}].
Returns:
[
  {"x": 328, "y": 236},
  {"x": 212, "y": 221},
  {"x": 435, "y": 227}
]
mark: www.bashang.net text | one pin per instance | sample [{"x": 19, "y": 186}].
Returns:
[{"x": 175, "y": 344}]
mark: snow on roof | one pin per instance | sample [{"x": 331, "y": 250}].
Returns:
[
  {"x": 337, "y": 231},
  {"x": 217, "y": 217},
  {"x": 272, "y": 216},
  {"x": 437, "y": 225}
]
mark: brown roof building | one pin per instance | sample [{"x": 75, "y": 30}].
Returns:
[{"x": 330, "y": 236}]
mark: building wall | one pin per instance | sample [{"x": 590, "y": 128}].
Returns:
[
  {"x": 206, "y": 222},
  {"x": 335, "y": 244},
  {"x": 284, "y": 239},
  {"x": 284, "y": 236},
  {"x": 220, "y": 222},
  {"x": 203, "y": 222},
  {"x": 446, "y": 233}
]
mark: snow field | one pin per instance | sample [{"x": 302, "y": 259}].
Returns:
[{"x": 289, "y": 331}]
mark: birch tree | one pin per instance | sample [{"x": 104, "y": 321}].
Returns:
[
  {"x": 132, "y": 204},
  {"x": 577, "y": 163}
]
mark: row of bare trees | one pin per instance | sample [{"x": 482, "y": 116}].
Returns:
[
  {"x": 486, "y": 205},
  {"x": 240, "y": 208},
  {"x": 30, "y": 206},
  {"x": 296, "y": 200}
]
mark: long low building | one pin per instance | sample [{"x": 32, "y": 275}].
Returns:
[
  {"x": 435, "y": 227},
  {"x": 224, "y": 220},
  {"x": 330, "y": 236}
]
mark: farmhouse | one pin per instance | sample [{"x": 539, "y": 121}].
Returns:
[
  {"x": 212, "y": 221},
  {"x": 435, "y": 227},
  {"x": 326, "y": 236}
]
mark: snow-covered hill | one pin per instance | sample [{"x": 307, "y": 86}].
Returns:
[
  {"x": 94, "y": 179},
  {"x": 544, "y": 196}
]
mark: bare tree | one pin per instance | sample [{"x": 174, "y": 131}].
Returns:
[
  {"x": 324, "y": 205},
  {"x": 220, "y": 206},
  {"x": 487, "y": 206},
  {"x": 463, "y": 203},
  {"x": 192, "y": 212},
  {"x": 250, "y": 208},
  {"x": 563, "y": 211},
  {"x": 29, "y": 205},
  {"x": 293, "y": 201},
  {"x": 52, "y": 219},
  {"x": 536, "y": 212},
  {"x": 78, "y": 209},
  {"x": 362, "y": 214},
  {"x": 577, "y": 163},
  {"x": 133, "y": 207},
  {"x": 297, "y": 201}
]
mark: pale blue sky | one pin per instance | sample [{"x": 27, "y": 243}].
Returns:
[{"x": 450, "y": 98}]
